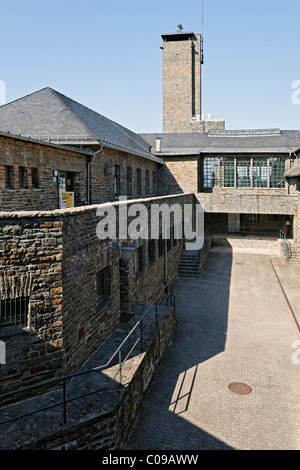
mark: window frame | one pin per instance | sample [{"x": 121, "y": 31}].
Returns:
[{"x": 103, "y": 287}]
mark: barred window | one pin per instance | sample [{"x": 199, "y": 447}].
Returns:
[
  {"x": 154, "y": 182},
  {"x": 8, "y": 177},
  {"x": 147, "y": 182},
  {"x": 103, "y": 287},
  {"x": 139, "y": 181},
  {"x": 34, "y": 178},
  {"x": 129, "y": 181},
  {"x": 117, "y": 181},
  {"x": 22, "y": 183},
  {"x": 139, "y": 260},
  {"x": 151, "y": 251},
  {"x": 13, "y": 314}
]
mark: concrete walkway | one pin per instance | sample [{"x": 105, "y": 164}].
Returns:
[{"x": 234, "y": 326}]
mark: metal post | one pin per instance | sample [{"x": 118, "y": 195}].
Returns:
[
  {"x": 64, "y": 401},
  {"x": 120, "y": 366}
]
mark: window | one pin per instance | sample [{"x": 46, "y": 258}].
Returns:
[
  {"x": 129, "y": 181},
  {"x": 210, "y": 168},
  {"x": 139, "y": 260},
  {"x": 117, "y": 182},
  {"x": 103, "y": 287},
  {"x": 227, "y": 178},
  {"x": 277, "y": 170},
  {"x": 139, "y": 181},
  {"x": 8, "y": 177},
  {"x": 22, "y": 177},
  {"x": 151, "y": 251},
  {"x": 34, "y": 178},
  {"x": 260, "y": 173},
  {"x": 13, "y": 314},
  {"x": 154, "y": 183},
  {"x": 243, "y": 168},
  {"x": 147, "y": 182}
]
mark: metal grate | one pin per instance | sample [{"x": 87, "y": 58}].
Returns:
[{"x": 13, "y": 315}]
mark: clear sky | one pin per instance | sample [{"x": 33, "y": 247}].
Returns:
[{"x": 106, "y": 55}]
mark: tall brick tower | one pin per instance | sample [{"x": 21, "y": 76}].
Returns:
[{"x": 182, "y": 101}]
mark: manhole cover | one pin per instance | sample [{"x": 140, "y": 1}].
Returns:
[{"x": 240, "y": 388}]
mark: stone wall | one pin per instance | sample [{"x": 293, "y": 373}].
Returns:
[
  {"x": 179, "y": 175},
  {"x": 109, "y": 429},
  {"x": 46, "y": 159},
  {"x": 102, "y": 175},
  {"x": 30, "y": 266},
  {"x": 61, "y": 254}
]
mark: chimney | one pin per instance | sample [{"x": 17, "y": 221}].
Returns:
[{"x": 158, "y": 139}]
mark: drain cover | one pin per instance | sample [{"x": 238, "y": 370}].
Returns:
[{"x": 240, "y": 388}]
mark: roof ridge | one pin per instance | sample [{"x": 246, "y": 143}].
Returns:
[
  {"x": 26, "y": 96},
  {"x": 57, "y": 93}
]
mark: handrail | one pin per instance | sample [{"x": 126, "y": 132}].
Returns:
[
  {"x": 165, "y": 289},
  {"x": 287, "y": 245}
]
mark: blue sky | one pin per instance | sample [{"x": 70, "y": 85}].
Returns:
[{"x": 106, "y": 55}]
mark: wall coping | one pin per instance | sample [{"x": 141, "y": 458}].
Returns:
[{"x": 59, "y": 213}]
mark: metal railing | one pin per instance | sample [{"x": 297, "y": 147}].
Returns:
[
  {"x": 287, "y": 245},
  {"x": 166, "y": 295},
  {"x": 206, "y": 117},
  {"x": 207, "y": 236},
  {"x": 244, "y": 230}
]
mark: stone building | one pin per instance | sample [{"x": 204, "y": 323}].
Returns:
[
  {"x": 245, "y": 179},
  {"x": 60, "y": 162},
  {"x": 182, "y": 89},
  {"x": 114, "y": 161}
]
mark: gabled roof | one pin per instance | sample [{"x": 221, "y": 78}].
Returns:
[
  {"x": 49, "y": 115},
  {"x": 252, "y": 141}
]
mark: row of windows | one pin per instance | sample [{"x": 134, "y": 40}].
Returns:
[
  {"x": 230, "y": 172},
  {"x": 129, "y": 180},
  {"x": 22, "y": 177}
]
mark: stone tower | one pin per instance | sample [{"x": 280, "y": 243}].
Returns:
[{"x": 182, "y": 60}]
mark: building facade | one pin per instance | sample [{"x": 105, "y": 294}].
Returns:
[{"x": 63, "y": 289}]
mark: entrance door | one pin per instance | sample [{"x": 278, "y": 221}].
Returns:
[{"x": 234, "y": 222}]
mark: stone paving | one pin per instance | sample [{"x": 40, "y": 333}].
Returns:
[{"x": 234, "y": 325}]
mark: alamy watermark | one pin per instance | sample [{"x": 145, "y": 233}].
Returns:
[
  {"x": 2, "y": 92},
  {"x": 296, "y": 93},
  {"x": 296, "y": 354},
  {"x": 139, "y": 222},
  {"x": 2, "y": 353}
]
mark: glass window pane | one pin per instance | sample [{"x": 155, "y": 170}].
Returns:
[
  {"x": 260, "y": 173},
  {"x": 277, "y": 170},
  {"x": 243, "y": 168}
]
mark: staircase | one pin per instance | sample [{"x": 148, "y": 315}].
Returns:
[
  {"x": 189, "y": 264},
  {"x": 294, "y": 253}
]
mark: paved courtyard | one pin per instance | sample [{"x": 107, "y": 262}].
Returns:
[{"x": 234, "y": 326}]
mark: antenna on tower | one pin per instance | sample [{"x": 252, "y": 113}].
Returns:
[{"x": 202, "y": 33}]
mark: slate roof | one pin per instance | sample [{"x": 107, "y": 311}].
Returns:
[
  {"x": 49, "y": 115},
  {"x": 284, "y": 141},
  {"x": 293, "y": 172}
]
